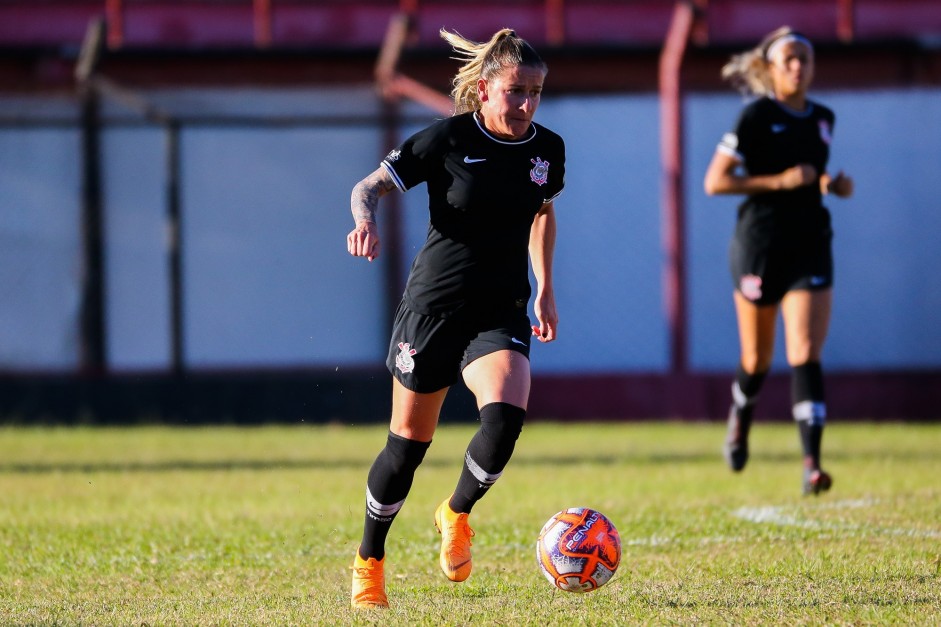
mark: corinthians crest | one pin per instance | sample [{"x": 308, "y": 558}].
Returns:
[
  {"x": 540, "y": 172},
  {"x": 404, "y": 361}
]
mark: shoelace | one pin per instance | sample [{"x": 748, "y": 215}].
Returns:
[
  {"x": 460, "y": 524},
  {"x": 371, "y": 585}
]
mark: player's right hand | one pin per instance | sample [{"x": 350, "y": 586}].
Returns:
[
  {"x": 798, "y": 176},
  {"x": 363, "y": 241}
]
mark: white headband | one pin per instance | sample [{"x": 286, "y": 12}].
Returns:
[{"x": 785, "y": 39}]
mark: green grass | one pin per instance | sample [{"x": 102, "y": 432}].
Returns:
[{"x": 210, "y": 526}]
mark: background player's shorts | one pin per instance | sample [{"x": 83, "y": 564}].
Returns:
[
  {"x": 765, "y": 275},
  {"x": 428, "y": 353}
]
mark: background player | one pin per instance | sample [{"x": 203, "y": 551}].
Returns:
[
  {"x": 780, "y": 254},
  {"x": 492, "y": 175}
]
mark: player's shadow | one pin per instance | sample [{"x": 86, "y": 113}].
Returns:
[{"x": 363, "y": 463}]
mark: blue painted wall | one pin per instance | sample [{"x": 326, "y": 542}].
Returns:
[{"x": 268, "y": 282}]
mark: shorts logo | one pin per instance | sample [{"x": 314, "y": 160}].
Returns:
[
  {"x": 393, "y": 156},
  {"x": 540, "y": 173},
  {"x": 404, "y": 361},
  {"x": 824, "y": 131},
  {"x": 750, "y": 286}
]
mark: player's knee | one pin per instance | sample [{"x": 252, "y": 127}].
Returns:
[
  {"x": 756, "y": 362},
  {"x": 502, "y": 421},
  {"x": 500, "y": 426},
  {"x": 402, "y": 454}
]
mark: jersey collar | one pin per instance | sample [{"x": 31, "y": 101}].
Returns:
[
  {"x": 483, "y": 129},
  {"x": 797, "y": 114}
]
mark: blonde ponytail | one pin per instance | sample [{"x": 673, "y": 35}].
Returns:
[
  {"x": 748, "y": 71},
  {"x": 486, "y": 60}
]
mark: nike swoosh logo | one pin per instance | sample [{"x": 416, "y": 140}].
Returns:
[
  {"x": 516, "y": 341},
  {"x": 469, "y": 160}
]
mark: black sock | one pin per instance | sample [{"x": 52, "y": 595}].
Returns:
[
  {"x": 809, "y": 409},
  {"x": 387, "y": 485},
  {"x": 745, "y": 391},
  {"x": 488, "y": 453}
]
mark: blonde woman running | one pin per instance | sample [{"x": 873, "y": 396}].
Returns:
[
  {"x": 492, "y": 175},
  {"x": 780, "y": 255}
]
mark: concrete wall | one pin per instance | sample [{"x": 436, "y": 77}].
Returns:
[{"x": 266, "y": 209}]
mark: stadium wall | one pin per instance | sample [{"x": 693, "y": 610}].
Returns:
[{"x": 280, "y": 323}]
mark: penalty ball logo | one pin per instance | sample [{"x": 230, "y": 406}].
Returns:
[{"x": 581, "y": 532}]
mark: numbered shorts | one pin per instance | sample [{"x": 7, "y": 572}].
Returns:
[
  {"x": 764, "y": 275},
  {"x": 428, "y": 353}
]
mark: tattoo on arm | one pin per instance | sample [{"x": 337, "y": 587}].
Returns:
[{"x": 366, "y": 194}]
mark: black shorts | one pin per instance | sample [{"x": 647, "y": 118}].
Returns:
[
  {"x": 764, "y": 275},
  {"x": 428, "y": 353}
]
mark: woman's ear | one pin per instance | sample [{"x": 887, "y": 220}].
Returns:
[{"x": 482, "y": 89}]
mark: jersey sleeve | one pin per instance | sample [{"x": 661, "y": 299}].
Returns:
[
  {"x": 411, "y": 163},
  {"x": 557, "y": 180},
  {"x": 739, "y": 142}
]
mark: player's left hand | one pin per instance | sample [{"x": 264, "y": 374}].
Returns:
[
  {"x": 840, "y": 185},
  {"x": 544, "y": 308}
]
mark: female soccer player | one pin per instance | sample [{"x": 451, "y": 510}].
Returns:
[
  {"x": 492, "y": 176},
  {"x": 780, "y": 255}
]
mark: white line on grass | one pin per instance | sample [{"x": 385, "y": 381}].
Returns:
[{"x": 783, "y": 516}]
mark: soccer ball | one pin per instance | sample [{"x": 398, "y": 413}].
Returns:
[{"x": 578, "y": 549}]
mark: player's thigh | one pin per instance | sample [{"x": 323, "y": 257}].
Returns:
[
  {"x": 756, "y": 329},
  {"x": 502, "y": 376}
]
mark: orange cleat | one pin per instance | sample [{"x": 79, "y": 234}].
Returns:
[
  {"x": 369, "y": 583},
  {"x": 456, "y": 534}
]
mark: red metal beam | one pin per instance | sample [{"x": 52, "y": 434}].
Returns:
[
  {"x": 846, "y": 20},
  {"x": 671, "y": 147},
  {"x": 391, "y": 83},
  {"x": 262, "y": 23},
  {"x": 114, "y": 19},
  {"x": 555, "y": 22}
]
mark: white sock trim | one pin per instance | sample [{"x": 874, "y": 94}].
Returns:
[
  {"x": 814, "y": 412},
  {"x": 479, "y": 473},
  {"x": 382, "y": 510}
]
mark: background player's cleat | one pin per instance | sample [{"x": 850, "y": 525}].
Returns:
[
  {"x": 816, "y": 481},
  {"x": 456, "y": 534},
  {"x": 369, "y": 583},
  {"x": 735, "y": 449}
]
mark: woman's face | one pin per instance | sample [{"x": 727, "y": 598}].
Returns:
[
  {"x": 792, "y": 69},
  {"x": 509, "y": 100}
]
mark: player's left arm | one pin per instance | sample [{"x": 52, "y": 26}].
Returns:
[
  {"x": 541, "y": 250},
  {"x": 840, "y": 185}
]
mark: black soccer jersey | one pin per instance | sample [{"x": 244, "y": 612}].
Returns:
[
  {"x": 483, "y": 194},
  {"x": 768, "y": 139}
]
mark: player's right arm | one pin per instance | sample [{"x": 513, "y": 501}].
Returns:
[
  {"x": 363, "y": 240},
  {"x": 722, "y": 177}
]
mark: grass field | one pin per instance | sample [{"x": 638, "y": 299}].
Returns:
[{"x": 209, "y": 526}]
